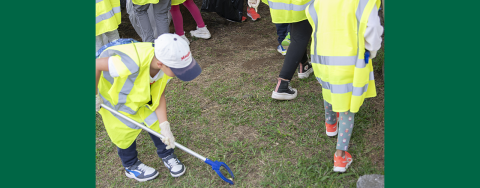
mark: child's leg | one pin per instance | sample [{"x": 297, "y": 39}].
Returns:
[
  {"x": 345, "y": 131},
  {"x": 129, "y": 155},
  {"x": 192, "y": 7},
  {"x": 281, "y": 32},
  {"x": 330, "y": 116},
  {"x": 161, "y": 151},
  {"x": 112, "y": 35},
  {"x": 177, "y": 20}
]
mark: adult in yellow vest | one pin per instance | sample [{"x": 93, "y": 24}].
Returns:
[
  {"x": 160, "y": 10},
  {"x": 293, "y": 12},
  {"x": 131, "y": 78},
  {"x": 107, "y": 17},
  {"x": 344, "y": 31}
]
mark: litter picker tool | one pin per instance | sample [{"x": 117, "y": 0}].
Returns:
[{"x": 215, "y": 164}]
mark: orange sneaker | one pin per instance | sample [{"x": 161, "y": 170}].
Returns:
[
  {"x": 332, "y": 129},
  {"x": 252, "y": 13},
  {"x": 340, "y": 164},
  {"x": 244, "y": 18}
]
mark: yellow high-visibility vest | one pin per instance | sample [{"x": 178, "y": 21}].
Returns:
[
  {"x": 288, "y": 11},
  {"x": 177, "y": 2},
  {"x": 144, "y": 2},
  {"x": 130, "y": 92},
  {"x": 337, "y": 51},
  {"x": 107, "y": 16}
]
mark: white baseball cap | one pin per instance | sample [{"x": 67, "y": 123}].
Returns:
[{"x": 174, "y": 52}]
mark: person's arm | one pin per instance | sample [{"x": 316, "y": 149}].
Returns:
[
  {"x": 165, "y": 129},
  {"x": 373, "y": 33},
  {"x": 161, "y": 110},
  {"x": 101, "y": 65}
]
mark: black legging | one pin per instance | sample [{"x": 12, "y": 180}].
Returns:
[{"x": 300, "y": 33}]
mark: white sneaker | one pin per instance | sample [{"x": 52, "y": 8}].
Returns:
[
  {"x": 174, "y": 165},
  {"x": 141, "y": 172},
  {"x": 185, "y": 38},
  {"x": 201, "y": 33}
]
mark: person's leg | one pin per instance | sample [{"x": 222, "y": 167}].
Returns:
[
  {"x": 134, "y": 168},
  {"x": 342, "y": 159},
  {"x": 162, "y": 152},
  {"x": 161, "y": 16},
  {"x": 177, "y": 20},
  {"x": 112, "y": 35},
  {"x": 193, "y": 9},
  {"x": 168, "y": 157},
  {"x": 146, "y": 31},
  {"x": 330, "y": 119},
  {"x": 98, "y": 42},
  {"x": 300, "y": 35},
  {"x": 297, "y": 53},
  {"x": 281, "y": 32},
  {"x": 128, "y": 156}
]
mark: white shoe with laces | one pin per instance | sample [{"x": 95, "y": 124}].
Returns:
[
  {"x": 174, "y": 165},
  {"x": 201, "y": 33},
  {"x": 140, "y": 172}
]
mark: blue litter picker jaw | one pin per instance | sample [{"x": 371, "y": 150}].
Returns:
[{"x": 216, "y": 166}]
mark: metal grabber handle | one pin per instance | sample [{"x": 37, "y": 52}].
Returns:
[{"x": 215, "y": 164}]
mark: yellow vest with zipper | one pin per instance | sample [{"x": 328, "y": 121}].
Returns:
[
  {"x": 288, "y": 11},
  {"x": 130, "y": 92},
  {"x": 107, "y": 16},
  {"x": 337, "y": 51}
]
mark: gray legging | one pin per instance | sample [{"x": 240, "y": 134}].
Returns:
[
  {"x": 145, "y": 30},
  {"x": 345, "y": 126}
]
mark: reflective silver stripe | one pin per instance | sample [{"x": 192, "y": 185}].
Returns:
[
  {"x": 107, "y": 77},
  {"x": 359, "y": 12},
  {"x": 311, "y": 10},
  {"x": 343, "y": 88},
  {"x": 122, "y": 95},
  {"x": 285, "y": 6},
  {"x": 334, "y": 60},
  {"x": 128, "y": 85},
  {"x": 371, "y": 76},
  {"x": 126, "y": 60},
  {"x": 107, "y": 15},
  {"x": 127, "y": 123},
  {"x": 151, "y": 119},
  {"x": 98, "y": 1}
]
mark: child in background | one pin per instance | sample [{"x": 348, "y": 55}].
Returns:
[
  {"x": 341, "y": 65},
  {"x": 283, "y": 32},
  {"x": 201, "y": 32},
  {"x": 106, "y": 26}
]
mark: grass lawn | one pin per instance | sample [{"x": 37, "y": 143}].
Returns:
[{"x": 227, "y": 114}]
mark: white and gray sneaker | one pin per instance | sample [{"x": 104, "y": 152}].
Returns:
[
  {"x": 174, "y": 165},
  {"x": 201, "y": 33},
  {"x": 140, "y": 172},
  {"x": 185, "y": 38},
  {"x": 304, "y": 70}
]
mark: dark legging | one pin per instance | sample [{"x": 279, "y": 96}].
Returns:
[{"x": 300, "y": 33}]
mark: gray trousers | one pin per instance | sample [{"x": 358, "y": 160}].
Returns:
[
  {"x": 145, "y": 30},
  {"x": 105, "y": 38}
]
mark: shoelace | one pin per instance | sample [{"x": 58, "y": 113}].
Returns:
[
  {"x": 290, "y": 87},
  {"x": 142, "y": 167},
  {"x": 171, "y": 162}
]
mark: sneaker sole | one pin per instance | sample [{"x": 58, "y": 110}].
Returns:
[
  {"x": 306, "y": 74},
  {"x": 283, "y": 53},
  {"x": 341, "y": 169},
  {"x": 202, "y": 37},
  {"x": 284, "y": 96},
  {"x": 178, "y": 175},
  {"x": 141, "y": 180},
  {"x": 248, "y": 14}
]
